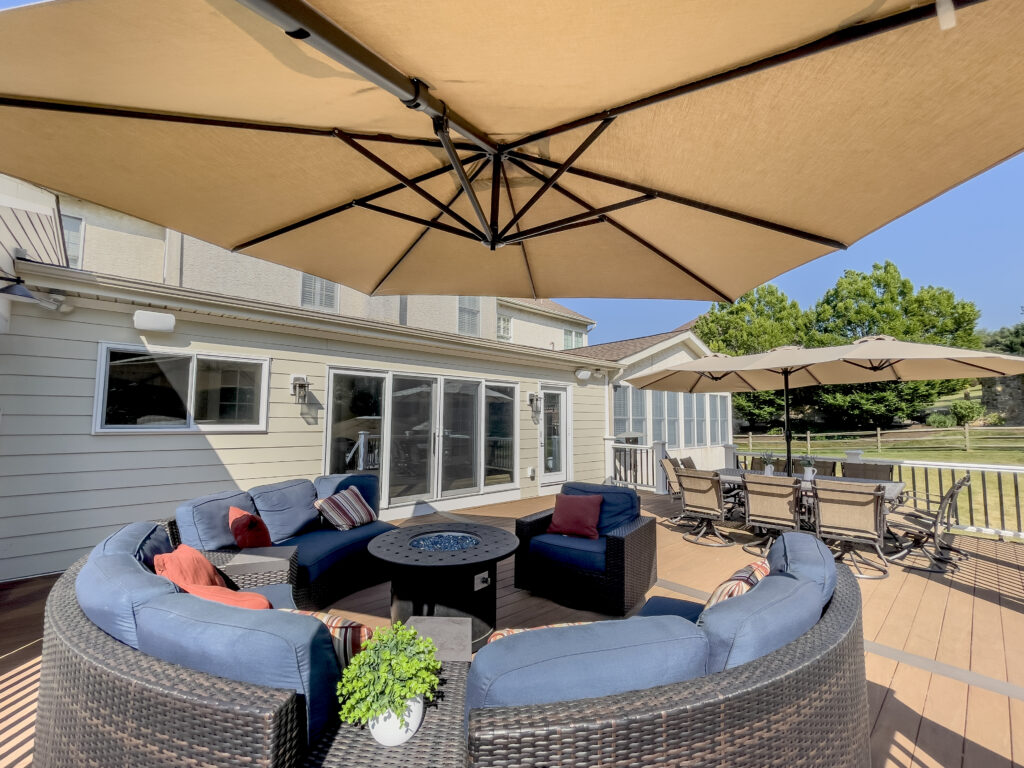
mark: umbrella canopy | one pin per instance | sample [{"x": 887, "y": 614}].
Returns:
[
  {"x": 867, "y": 360},
  {"x": 658, "y": 149}
]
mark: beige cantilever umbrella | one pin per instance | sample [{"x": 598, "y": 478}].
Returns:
[
  {"x": 871, "y": 359},
  {"x": 656, "y": 149}
]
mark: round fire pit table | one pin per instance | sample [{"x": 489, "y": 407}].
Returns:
[{"x": 446, "y": 569}]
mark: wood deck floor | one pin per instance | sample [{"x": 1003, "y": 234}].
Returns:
[{"x": 943, "y": 653}]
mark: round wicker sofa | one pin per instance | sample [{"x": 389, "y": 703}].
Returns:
[{"x": 104, "y": 703}]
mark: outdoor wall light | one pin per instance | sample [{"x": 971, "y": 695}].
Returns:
[
  {"x": 583, "y": 374},
  {"x": 300, "y": 387},
  {"x": 154, "y": 322},
  {"x": 534, "y": 400},
  {"x": 17, "y": 291}
]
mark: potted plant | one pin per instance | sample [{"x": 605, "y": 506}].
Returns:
[
  {"x": 769, "y": 463},
  {"x": 386, "y": 683},
  {"x": 807, "y": 462}
]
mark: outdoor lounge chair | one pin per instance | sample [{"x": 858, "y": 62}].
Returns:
[
  {"x": 923, "y": 519},
  {"x": 851, "y": 514},
  {"x": 704, "y": 505},
  {"x": 773, "y": 504}
]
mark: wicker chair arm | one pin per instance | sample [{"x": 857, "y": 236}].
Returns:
[
  {"x": 275, "y": 570},
  {"x": 533, "y": 525},
  {"x": 630, "y": 528}
]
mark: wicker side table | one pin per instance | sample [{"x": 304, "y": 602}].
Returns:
[{"x": 439, "y": 743}]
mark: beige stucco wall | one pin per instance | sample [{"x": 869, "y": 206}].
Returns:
[
  {"x": 536, "y": 330},
  {"x": 66, "y": 488},
  {"x": 116, "y": 244}
]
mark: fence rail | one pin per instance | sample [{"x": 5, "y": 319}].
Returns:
[
  {"x": 992, "y": 502},
  {"x": 964, "y": 438}
]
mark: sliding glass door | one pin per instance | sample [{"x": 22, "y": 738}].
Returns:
[
  {"x": 413, "y": 438},
  {"x": 356, "y": 419}
]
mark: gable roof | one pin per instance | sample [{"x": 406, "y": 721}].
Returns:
[
  {"x": 549, "y": 307},
  {"x": 618, "y": 350}
]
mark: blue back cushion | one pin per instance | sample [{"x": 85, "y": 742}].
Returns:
[
  {"x": 203, "y": 522},
  {"x": 575, "y": 551},
  {"x": 319, "y": 550},
  {"x": 804, "y": 556},
  {"x": 114, "y": 583},
  {"x": 271, "y": 648},
  {"x": 286, "y": 507},
  {"x": 599, "y": 659},
  {"x": 775, "y": 612},
  {"x": 368, "y": 485},
  {"x": 618, "y": 506}
]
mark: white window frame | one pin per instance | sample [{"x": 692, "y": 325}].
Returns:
[
  {"x": 190, "y": 427},
  {"x": 316, "y": 287},
  {"x": 572, "y": 339},
  {"x": 508, "y": 321}
]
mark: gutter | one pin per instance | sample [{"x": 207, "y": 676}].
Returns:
[{"x": 310, "y": 322}]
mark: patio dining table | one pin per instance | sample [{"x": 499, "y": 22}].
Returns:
[{"x": 892, "y": 489}]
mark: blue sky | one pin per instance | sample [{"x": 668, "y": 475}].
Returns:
[{"x": 970, "y": 240}]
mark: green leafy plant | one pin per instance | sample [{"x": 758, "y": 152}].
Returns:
[
  {"x": 806, "y": 460},
  {"x": 395, "y": 665},
  {"x": 966, "y": 411},
  {"x": 768, "y": 458},
  {"x": 940, "y": 420},
  {"x": 994, "y": 419}
]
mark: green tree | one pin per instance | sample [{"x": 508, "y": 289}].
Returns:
[
  {"x": 1007, "y": 340},
  {"x": 883, "y": 302},
  {"x": 760, "y": 320}
]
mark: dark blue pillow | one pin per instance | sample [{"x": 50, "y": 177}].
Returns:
[
  {"x": 618, "y": 506},
  {"x": 806, "y": 557},
  {"x": 599, "y": 659},
  {"x": 286, "y": 507},
  {"x": 203, "y": 522},
  {"x": 143, "y": 541}
]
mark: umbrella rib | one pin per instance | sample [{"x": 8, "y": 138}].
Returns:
[
  {"x": 627, "y": 231},
  {"x": 406, "y": 181},
  {"x": 844, "y": 36},
  {"x": 441, "y": 131},
  {"x": 592, "y": 216},
  {"x": 345, "y": 206},
  {"x": 559, "y": 170},
  {"x": 430, "y": 223},
  {"x": 512, "y": 206},
  {"x": 979, "y": 367},
  {"x": 689, "y": 202},
  {"x": 421, "y": 235}
]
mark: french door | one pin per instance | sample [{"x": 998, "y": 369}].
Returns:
[
  {"x": 427, "y": 437},
  {"x": 553, "y": 437}
]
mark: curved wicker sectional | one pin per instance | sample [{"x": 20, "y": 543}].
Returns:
[{"x": 104, "y": 703}]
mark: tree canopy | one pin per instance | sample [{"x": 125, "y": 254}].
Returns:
[
  {"x": 881, "y": 302},
  {"x": 1008, "y": 340}
]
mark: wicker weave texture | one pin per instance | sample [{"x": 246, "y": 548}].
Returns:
[
  {"x": 802, "y": 705},
  {"x": 103, "y": 703}
]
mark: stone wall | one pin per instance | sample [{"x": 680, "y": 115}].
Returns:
[{"x": 1005, "y": 395}]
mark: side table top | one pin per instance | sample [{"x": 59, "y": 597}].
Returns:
[{"x": 440, "y": 741}]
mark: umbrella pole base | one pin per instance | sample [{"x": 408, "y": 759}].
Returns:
[{"x": 704, "y": 533}]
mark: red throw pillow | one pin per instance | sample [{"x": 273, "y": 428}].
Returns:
[
  {"x": 248, "y": 529},
  {"x": 253, "y": 600},
  {"x": 187, "y": 567},
  {"x": 576, "y": 515}
]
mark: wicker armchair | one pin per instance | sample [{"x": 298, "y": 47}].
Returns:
[
  {"x": 804, "y": 704},
  {"x": 631, "y": 567},
  {"x": 773, "y": 504}
]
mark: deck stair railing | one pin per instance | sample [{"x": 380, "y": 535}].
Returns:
[
  {"x": 638, "y": 466},
  {"x": 992, "y": 503}
]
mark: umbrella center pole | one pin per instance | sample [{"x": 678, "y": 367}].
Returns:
[{"x": 785, "y": 423}]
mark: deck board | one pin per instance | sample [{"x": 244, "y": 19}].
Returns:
[{"x": 972, "y": 620}]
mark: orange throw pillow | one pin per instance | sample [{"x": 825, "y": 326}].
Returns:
[
  {"x": 187, "y": 567},
  {"x": 227, "y": 596},
  {"x": 248, "y": 529},
  {"x": 576, "y": 515}
]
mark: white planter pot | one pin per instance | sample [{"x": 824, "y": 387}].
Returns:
[
  {"x": 769, "y": 470},
  {"x": 809, "y": 473},
  {"x": 387, "y": 729}
]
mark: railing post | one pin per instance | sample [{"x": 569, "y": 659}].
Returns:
[
  {"x": 660, "y": 481},
  {"x": 609, "y": 459},
  {"x": 967, "y": 437},
  {"x": 808, "y": 442},
  {"x": 363, "y": 444},
  {"x": 750, "y": 441},
  {"x": 878, "y": 439}
]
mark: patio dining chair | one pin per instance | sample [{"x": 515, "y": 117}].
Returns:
[
  {"x": 703, "y": 505},
  {"x": 924, "y": 520},
  {"x": 867, "y": 471},
  {"x": 824, "y": 467},
  {"x": 772, "y": 504},
  {"x": 851, "y": 514},
  {"x": 670, "y": 466}
]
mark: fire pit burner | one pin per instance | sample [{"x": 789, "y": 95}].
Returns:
[{"x": 445, "y": 541}]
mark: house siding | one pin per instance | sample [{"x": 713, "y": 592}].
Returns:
[{"x": 64, "y": 488}]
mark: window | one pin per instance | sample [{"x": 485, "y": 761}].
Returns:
[
  {"x": 499, "y": 434},
  {"x": 713, "y": 418},
  {"x": 504, "y": 328},
  {"x": 73, "y": 227},
  {"x": 672, "y": 419},
  {"x": 701, "y": 423},
  {"x": 658, "y": 416},
  {"x": 689, "y": 421},
  {"x": 724, "y": 412},
  {"x": 620, "y": 410},
  {"x": 629, "y": 414},
  {"x": 638, "y": 420},
  {"x": 318, "y": 293},
  {"x": 469, "y": 315},
  {"x": 572, "y": 339},
  {"x": 143, "y": 389}
]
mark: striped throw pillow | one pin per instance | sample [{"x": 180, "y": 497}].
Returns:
[
  {"x": 346, "y": 509},
  {"x": 743, "y": 580},
  {"x": 348, "y": 635},
  {"x": 500, "y": 633}
]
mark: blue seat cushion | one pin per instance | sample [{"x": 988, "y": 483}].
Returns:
[
  {"x": 579, "y": 662},
  {"x": 203, "y": 522},
  {"x": 286, "y": 507},
  {"x": 319, "y": 550},
  {"x": 368, "y": 485},
  {"x": 775, "y": 612},
  {"x": 805, "y": 556},
  {"x": 113, "y": 584},
  {"x": 670, "y": 606},
  {"x": 271, "y": 648},
  {"x": 587, "y": 554},
  {"x": 279, "y": 595},
  {"x": 618, "y": 505}
]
